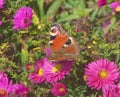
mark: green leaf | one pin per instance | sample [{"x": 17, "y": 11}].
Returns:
[
  {"x": 112, "y": 23},
  {"x": 54, "y": 7},
  {"x": 24, "y": 56},
  {"x": 67, "y": 18},
  {"x": 40, "y": 4},
  {"x": 93, "y": 15},
  {"x": 74, "y": 15}
]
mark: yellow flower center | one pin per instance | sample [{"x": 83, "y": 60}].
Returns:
[
  {"x": 84, "y": 77},
  {"x": 2, "y": 92},
  {"x": 57, "y": 68},
  {"x": 117, "y": 9},
  {"x": 103, "y": 74},
  {"x": 61, "y": 89},
  {"x": 40, "y": 72}
]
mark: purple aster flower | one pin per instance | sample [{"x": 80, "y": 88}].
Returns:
[
  {"x": 39, "y": 74},
  {"x": 0, "y": 22},
  {"x": 115, "y": 6},
  {"x": 29, "y": 67},
  {"x": 47, "y": 51},
  {"x": 101, "y": 73},
  {"x": 5, "y": 87},
  {"x": 2, "y": 75},
  {"x": 59, "y": 89},
  {"x": 57, "y": 70},
  {"x": 20, "y": 90},
  {"x": 101, "y": 3},
  {"x": 22, "y": 18},
  {"x": 2, "y": 2},
  {"x": 105, "y": 25},
  {"x": 111, "y": 91},
  {"x": 119, "y": 29}
]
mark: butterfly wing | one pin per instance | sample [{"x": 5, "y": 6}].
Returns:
[{"x": 62, "y": 46}]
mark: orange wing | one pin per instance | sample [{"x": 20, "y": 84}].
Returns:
[
  {"x": 59, "y": 52},
  {"x": 59, "y": 42}
]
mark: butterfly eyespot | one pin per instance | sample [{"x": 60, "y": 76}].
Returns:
[{"x": 53, "y": 30}]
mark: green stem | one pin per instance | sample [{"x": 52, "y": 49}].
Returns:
[{"x": 40, "y": 4}]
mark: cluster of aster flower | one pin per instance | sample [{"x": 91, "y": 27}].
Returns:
[
  {"x": 7, "y": 89},
  {"x": 23, "y": 16},
  {"x": 103, "y": 74},
  {"x": 100, "y": 74},
  {"x": 114, "y": 5},
  {"x": 51, "y": 72}
]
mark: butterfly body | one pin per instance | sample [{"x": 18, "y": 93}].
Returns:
[{"x": 62, "y": 46}]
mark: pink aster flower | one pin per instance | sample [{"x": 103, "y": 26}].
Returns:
[
  {"x": 100, "y": 73},
  {"x": 111, "y": 91},
  {"x": 47, "y": 51},
  {"x": 101, "y": 3},
  {"x": 0, "y": 22},
  {"x": 57, "y": 70},
  {"x": 2, "y": 2},
  {"x": 29, "y": 67},
  {"x": 2, "y": 75},
  {"x": 20, "y": 90},
  {"x": 105, "y": 25},
  {"x": 59, "y": 89},
  {"x": 39, "y": 74},
  {"x": 115, "y": 6},
  {"x": 22, "y": 18},
  {"x": 5, "y": 87}
]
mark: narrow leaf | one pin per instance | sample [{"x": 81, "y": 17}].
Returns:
[
  {"x": 54, "y": 7},
  {"x": 24, "y": 56},
  {"x": 40, "y": 4}
]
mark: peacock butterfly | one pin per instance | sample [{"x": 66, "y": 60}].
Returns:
[{"x": 62, "y": 46}]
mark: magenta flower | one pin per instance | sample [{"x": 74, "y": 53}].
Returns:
[
  {"x": 105, "y": 25},
  {"x": 20, "y": 90},
  {"x": 111, "y": 91},
  {"x": 47, "y": 51},
  {"x": 5, "y": 87},
  {"x": 119, "y": 29},
  {"x": 22, "y": 18},
  {"x": 29, "y": 67},
  {"x": 2, "y": 2},
  {"x": 2, "y": 75},
  {"x": 39, "y": 74},
  {"x": 57, "y": 70},
  {"x": 59, "y": 89},
  {"x": 100, "y": 73},
  {"x": 115, "y": 6},
  {"x": 101, "y": 3},
  {"x": 0, "y": 22}
]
